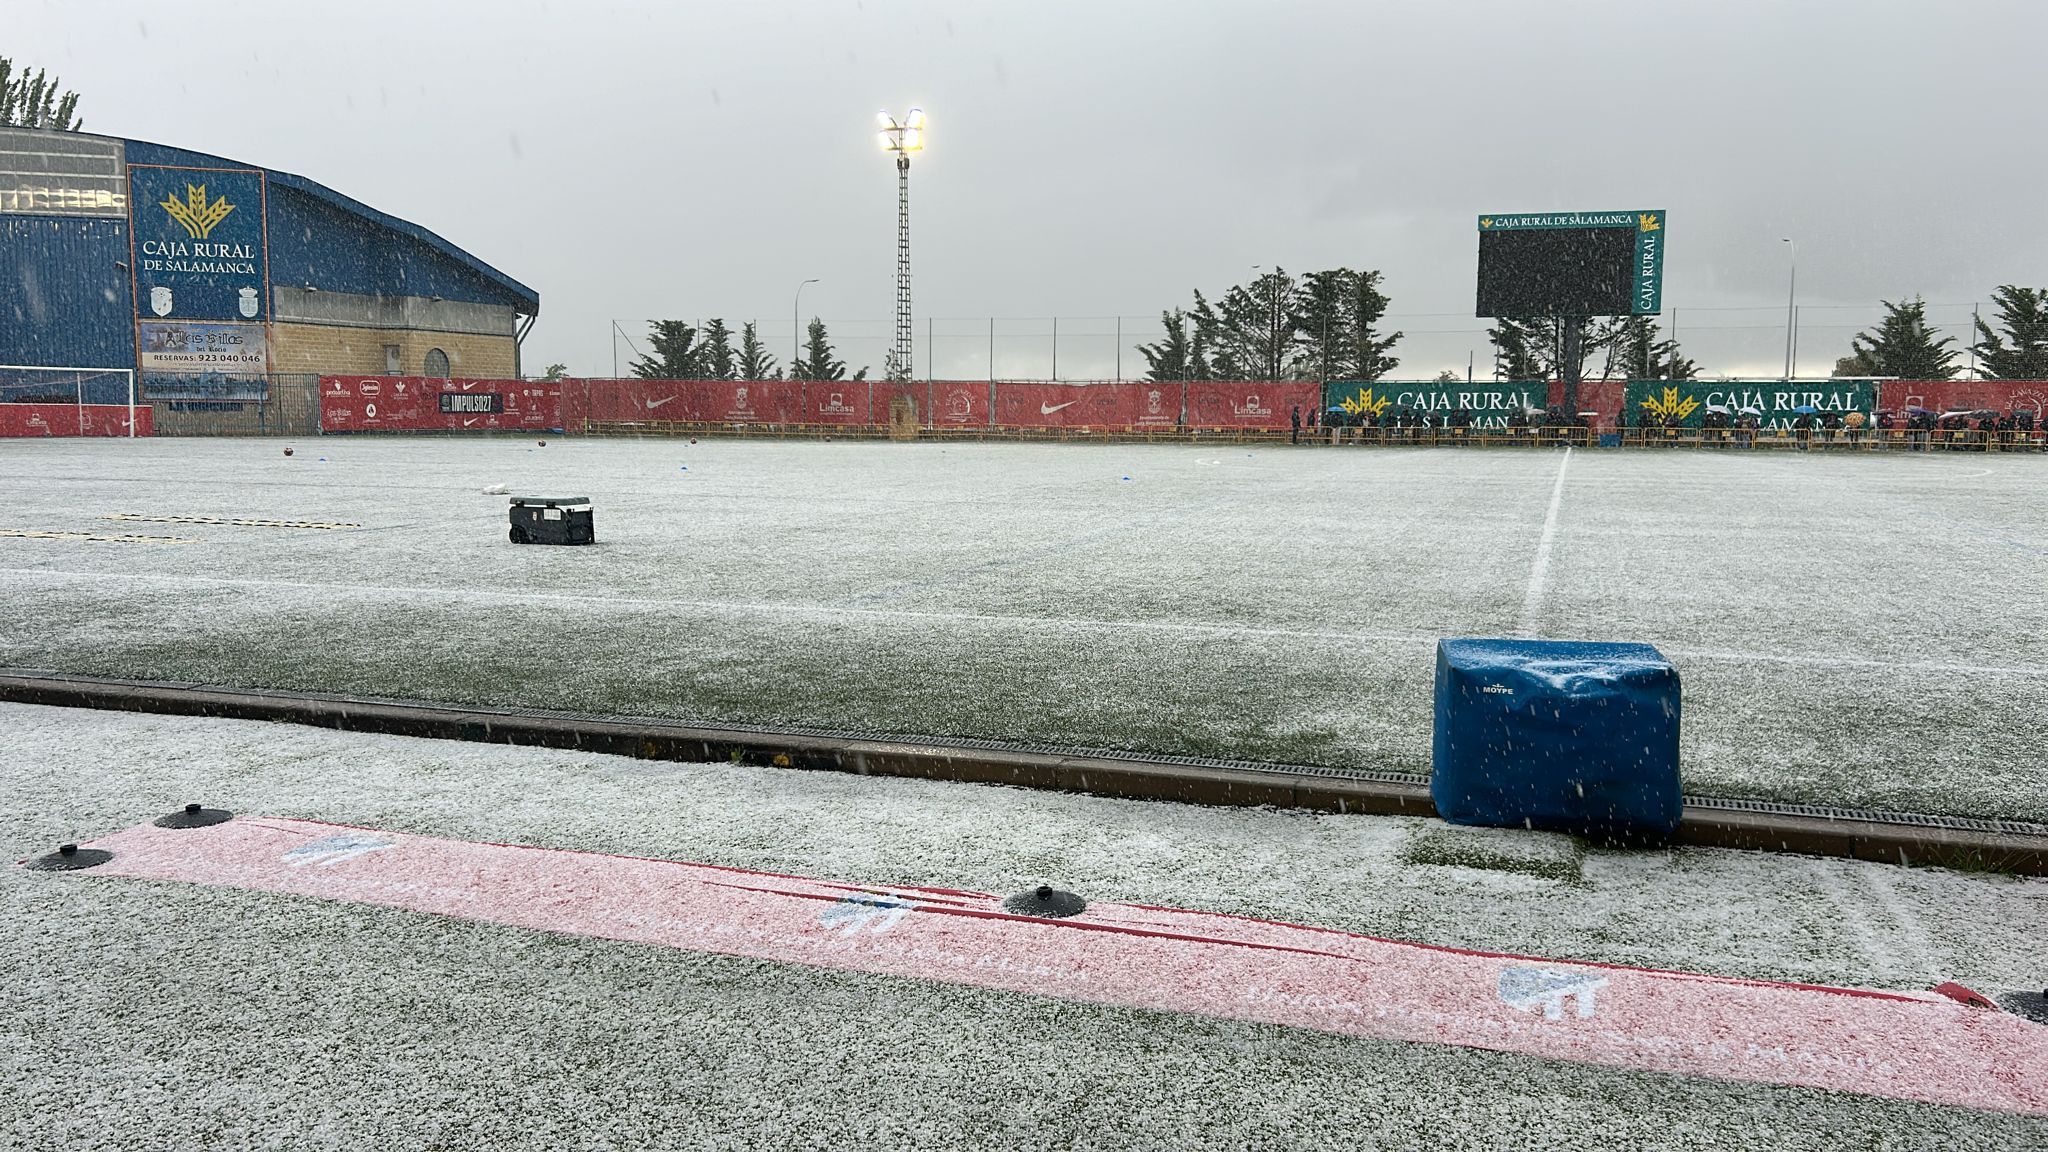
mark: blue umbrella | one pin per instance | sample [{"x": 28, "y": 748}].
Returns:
[{"x": 1807, "y": 410}]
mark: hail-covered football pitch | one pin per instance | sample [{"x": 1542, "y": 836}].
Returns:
[{"x": 1854, "y": 630}]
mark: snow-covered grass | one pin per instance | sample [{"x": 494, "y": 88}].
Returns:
[
  {"x": 144, "y": 1015},
  {"x": 1862, "y": 631},
  {"x": 1547, "y": 854}
]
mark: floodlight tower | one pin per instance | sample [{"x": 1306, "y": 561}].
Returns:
[{"x": 903, "y": 139}]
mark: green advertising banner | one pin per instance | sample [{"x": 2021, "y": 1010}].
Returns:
[
  {"x": 1648, "y": 298},
  {"x": 1511, "y": 221},
  {"x": 1776, "y": 402},
  {"x": 1488, "y": 401}
]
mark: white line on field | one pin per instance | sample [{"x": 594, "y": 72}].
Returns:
[
  {"x": 1532, "y": 600},
  {"x": 1911, "y": 952},
  {"x": 1057, "y": 623},
  {"x": 1853, "y": 662},
  {"x": 735, "y": 608}
]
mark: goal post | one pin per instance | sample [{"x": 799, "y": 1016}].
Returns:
[{"x": 77, "y": 385}]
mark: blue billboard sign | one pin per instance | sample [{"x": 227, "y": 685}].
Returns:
[{"x": 199, "y": 252}]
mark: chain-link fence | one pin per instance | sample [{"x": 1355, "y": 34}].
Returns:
[
  {"x": 282, "y": 404},
  {"x": 1731, "y": 342}
]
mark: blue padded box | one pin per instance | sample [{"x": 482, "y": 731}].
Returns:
[{"x": 1565, "y": 735}]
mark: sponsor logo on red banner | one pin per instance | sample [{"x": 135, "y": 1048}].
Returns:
[{"x": 421, "y": 404}]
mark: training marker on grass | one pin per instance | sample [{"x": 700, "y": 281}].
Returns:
[{"x": 1910, "y": 1046}]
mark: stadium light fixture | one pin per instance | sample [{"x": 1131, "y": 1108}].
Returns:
[
  {"x": 904, "y": 138},
  {"x": 1791, "y": 309},
  {"x": 795, "y": 326}
]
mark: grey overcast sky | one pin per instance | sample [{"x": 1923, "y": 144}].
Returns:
[{"x": 1090, "y": 160}]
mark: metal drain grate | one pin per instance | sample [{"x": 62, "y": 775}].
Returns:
[
  {"x": 1322, "y": 771},
  {"x": 1869, "y": 816},
  {"x": 672, "y": 724}
]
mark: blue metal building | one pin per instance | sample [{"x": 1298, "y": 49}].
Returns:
[{"x": 211, "y": 277}]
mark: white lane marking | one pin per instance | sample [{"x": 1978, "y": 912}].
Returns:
[
  {"x": 1853, "y": 662},
  {"x": 1532, "y": 600},
  {"x": 730, "y": 607},
  {"x": 1911, "y": 953},
  {"x": 1055, "y": 623}
]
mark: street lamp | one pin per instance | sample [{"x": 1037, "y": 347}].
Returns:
[
  {"x": 1791, "y": 318},
  {"x": 795, "y": 325},
  {"x": 1273, "y": 325},
  {"x": 902, "y": 138}
]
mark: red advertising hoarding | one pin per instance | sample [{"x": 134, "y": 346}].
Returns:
[
  {"x": 1966, "y": 395},
  {"x": 575, "y": 404},
  {"x": 1250, "y": 403},
  {"x": 1050, "y": 405},
  {"x": 74, "y": 420},
  {"x": 882, "y": 396},
  {"x": 611, "y": 401},
  {"x": 1604, "y": 398},
  {"x": 688, "y": 401},
  {"x": 423, "y": 404},
  {"x": 748, "y": 401},
  {"x": 958, "y": 403},
  {"x": 939, "y": 403},
  {"x": 838, "y": 402}
]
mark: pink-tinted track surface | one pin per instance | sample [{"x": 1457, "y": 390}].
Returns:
[{"x": 1912, "y": 1046}]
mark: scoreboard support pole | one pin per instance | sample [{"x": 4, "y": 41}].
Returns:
[{"x": 1572, "y": 368}]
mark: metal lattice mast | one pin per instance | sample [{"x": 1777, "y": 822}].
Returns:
[
  {"x": 905, "y": 336},
  {"x": 902, "y": 139}
]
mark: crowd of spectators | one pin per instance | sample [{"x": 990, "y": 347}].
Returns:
[
  {"x": 1915, "y": 428},
  {"x": 1398, "y": 421}
]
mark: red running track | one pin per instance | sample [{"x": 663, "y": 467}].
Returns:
[{"x": 1911, "y": 1046}]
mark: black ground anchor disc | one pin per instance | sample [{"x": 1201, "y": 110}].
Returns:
[
  {"x": 194, "y": 816},
  {"x": 69, "y": 858},
  {"x": 1045, "y": 900},
  {"x": 2032, "y": 1005}
]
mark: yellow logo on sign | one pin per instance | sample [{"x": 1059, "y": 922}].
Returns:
[
  {"x": 1486, "y": 221},
  {"x": 1648, "y": 222},
  {"x": 1365, "y": 403},
  {"x": 1671, "y": 404},
  {"x": 196, "y": 212}
]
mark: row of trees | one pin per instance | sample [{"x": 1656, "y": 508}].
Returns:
[
  {"x": 678, "y": 351},
  {"x": 1622, "y": 346},
  {"x": 2014, "y": 346},
  {"x": 1328, "y": 326},
  {"x": 1319, "y": 326}
]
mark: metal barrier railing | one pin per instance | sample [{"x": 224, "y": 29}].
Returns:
[
  {"x": 1841, "y": 439},
  {"x": 1784, "y": 439}
]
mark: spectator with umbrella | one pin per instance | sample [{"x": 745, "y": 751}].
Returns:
[
  {"x": 1919, "y": 423},
  {"x": 1747, "y": 420},
  {"x": 1803, "y": 420},
  {"x": 1716, "y": 421}
]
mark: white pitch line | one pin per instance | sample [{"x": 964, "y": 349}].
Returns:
[
  {"x": 1048, "y": 623},
  {"x": 739, "y": 608},
  {"x": 1540, "y": 573}
]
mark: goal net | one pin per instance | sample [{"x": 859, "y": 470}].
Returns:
[{"x": 80, "y": 388}]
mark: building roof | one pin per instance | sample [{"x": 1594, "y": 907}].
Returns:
[{"x": 523, "y": 299}]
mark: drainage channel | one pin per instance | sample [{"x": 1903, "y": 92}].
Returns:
[{"x": 1733, "y": 822}]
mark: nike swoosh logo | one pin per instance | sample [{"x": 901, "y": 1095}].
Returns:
[
  {"x": 653, "y": 404},
  {"x": 1048, "y": 409},
  {"x": 471, "y": 420}
]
